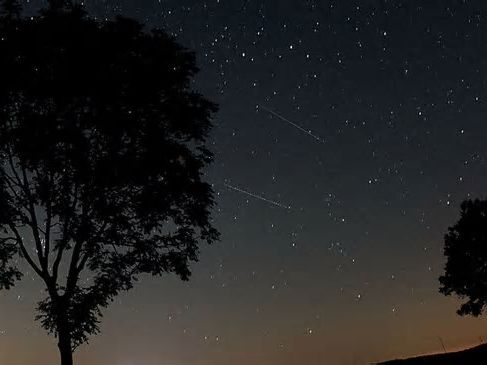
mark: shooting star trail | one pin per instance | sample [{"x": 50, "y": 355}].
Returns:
[
  {"x": 259, "y": 197},
  {"x": 319, "y": 139}
]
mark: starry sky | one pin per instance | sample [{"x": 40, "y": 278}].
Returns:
[{"x": 348, "y": 134}]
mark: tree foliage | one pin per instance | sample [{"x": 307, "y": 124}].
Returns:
[
  {"x": 10, "y": 9},
  {"x": 102, "y": 150},
  {"x": 466, "y": 251}
]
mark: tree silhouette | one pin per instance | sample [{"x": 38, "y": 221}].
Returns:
[
  {"x": 10, "y": 9},
  {"x": 102, "y": 147},
  {"x": 466, "y": 252}
]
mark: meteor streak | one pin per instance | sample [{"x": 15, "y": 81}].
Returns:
[
  {"x": 319, "y": 139},
  {"x": 234, "y": 188}
]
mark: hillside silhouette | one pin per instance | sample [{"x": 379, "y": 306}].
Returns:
[{"x": 473, "y": 356}]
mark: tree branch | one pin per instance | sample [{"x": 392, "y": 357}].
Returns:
[
  {"x": 34, "y": 225},
  {"x": 73, "y": 273},
  {"x": 11, "y": 184},
  {"x": 65, "y": 239},
  {"x": 86, "y": 256},
  {"x": 24, "y": 184},
  {"x": 24, "y": 250},
  {"x": 47, "y": 233}
]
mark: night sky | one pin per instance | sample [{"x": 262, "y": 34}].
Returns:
[{"x": 348, "y": 134}]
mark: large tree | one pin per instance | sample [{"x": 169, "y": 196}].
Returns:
[
  {"x": 466, "y": 251},
  {"x": 102, "y": 151}
]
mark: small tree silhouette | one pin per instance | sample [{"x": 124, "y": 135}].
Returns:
[
  {"x": 466, "y": 252},
  {"x": 102, "y": 146}
]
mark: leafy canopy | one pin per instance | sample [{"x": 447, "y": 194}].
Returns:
[
  {"x": 102, "y": 150},
  {"x": 466, "y": 251}
]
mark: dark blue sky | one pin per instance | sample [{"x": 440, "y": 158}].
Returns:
[{"x": 395, "y": 93}]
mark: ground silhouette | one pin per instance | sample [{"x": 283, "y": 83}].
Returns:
[
  {"x": 474, "y": 356},
  {"x": 102, "y": 146}
]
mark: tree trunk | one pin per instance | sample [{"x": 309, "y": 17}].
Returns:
[{"x": 65, "y": 351}]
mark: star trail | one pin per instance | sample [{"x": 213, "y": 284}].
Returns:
[
  {"x": 298, "y": 127},
  {"x": 256, "y": 196}
]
